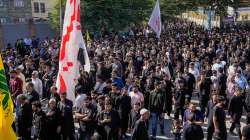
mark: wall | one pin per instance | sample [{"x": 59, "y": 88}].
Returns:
[{"x": 12, "y": 32}]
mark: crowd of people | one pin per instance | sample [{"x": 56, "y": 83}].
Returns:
[{"x": 136, "y": 81}]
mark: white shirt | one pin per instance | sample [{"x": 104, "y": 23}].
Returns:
[
  {"x": 216, "y": 66},
  {"x": 231, "y": 70},
  {"x": 195, "y": 72},
  {"x": 38, "y": 86},
  {"x": 80, "y": 100}
]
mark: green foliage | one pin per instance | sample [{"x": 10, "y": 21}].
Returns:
[
  {"x": 54, "y": 15},
  {"x": 119, "y": 14},
  {"x": 113, "y": 14}
]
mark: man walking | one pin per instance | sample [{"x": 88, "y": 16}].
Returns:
[
  {"x": 140, "y": 131},
  {"x": 156, "y": 104},
  {"x": 192, "y": 131},
  {"x": 219, "y": 119}
]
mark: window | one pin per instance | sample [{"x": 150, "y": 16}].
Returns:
[
  {"x": 42, "y": 7},
  {"x": 21, "y": 19},
  {"x": 1, "y": 3},
  {"x": 3, "y": 20},
  {"x": 18, "y": 3},
  {"x": 36, "y": 7}
]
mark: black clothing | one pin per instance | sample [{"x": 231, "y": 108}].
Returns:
[
  {"x": 33, "y": 96},
  {"x": 156, "y": 101},
  {"x": 235, "y": 110},
  {"x": 53, "y": 121},
  {"x": 209, "y": 115},
  {"x": 133, "y": 117},
  {"x": 236, "y": 105},
  {"x": 40, "y": 125},
  {"x": 114, "y": 100},
  {"x": 193, "y": 132},
  {"x": 106, "y": 90},
  {"x": 24, "y": 121},
  {"x": 222, "y": 80},
  {"x": 110, "y": 129},
  {"x": 246, "y": 132},
  {"x": 48, "y": 82},
  {"x": 179, "y": 97},
  {"x": 67, "y": 122},
  {"x": 167, "y": 97},
  {"x": 220, "y": 115},
  {"x": 205, "y": 87},
  {"x": 87, "y": 127},
  {"x": 247, "y": 104},
  {"x": 124, "y": 103},
  {"x": 190, "y": 81},
  {"x": 140, "y": 131}
]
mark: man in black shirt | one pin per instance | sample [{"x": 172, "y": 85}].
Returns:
[
  {"x": 190, "y": 80},
  {"x": 53, "y": 120},
  {"x": 156, "y": 103},
  {"x": 24, "y": 118},
  {"x": 235, "y": 110},
  {"x": 124, "y": 104},
  {"x": 85, "y": 116},
  {"x": 179, "y": 99},
  {"x": 222, "y": 80},
  {"x": 114, "y": 95},
  {"x": 39, "y": 122},
  {"x": 192, "y": 131},
  {"x": 140, "y": 131},
  {"x": 67, "y": 123},
  {"x": 32, "y": 95},
  {"x": 209, "y": 116},
  {"x": 109, "y": 120},
  {"x": 205, "y": 89},
  {"x": 168, "y": 95},
  {"x": 219, "y": 119}
]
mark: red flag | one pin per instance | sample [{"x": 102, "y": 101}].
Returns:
[{"x": 73, "y": 52}]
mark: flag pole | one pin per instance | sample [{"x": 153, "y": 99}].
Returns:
[{"x": 60, "y": 2}]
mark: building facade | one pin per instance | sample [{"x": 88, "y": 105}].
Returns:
[
  {"x": 42, "y": 8},
  {"x": 15, "y": 11}
]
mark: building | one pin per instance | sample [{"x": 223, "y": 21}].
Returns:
[
  {"x": 15, "y": 11},
  {"x": 239, "y": 15},
  {"x": 42, "y": 8}
]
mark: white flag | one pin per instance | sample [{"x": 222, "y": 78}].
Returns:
[
  {"x": 155, "y": 19},
  {"x": 73, "y": 52}
]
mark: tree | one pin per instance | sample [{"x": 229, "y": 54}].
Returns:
[
  {"x": 119, "y": 14},
  {"x": 175, "y": 7},
  {"x": 113, "y": 14}
]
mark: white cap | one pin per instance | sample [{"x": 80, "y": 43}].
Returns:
[
  {"x": 20, "y": 67},
  {"x": 143, "y": 111}
]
